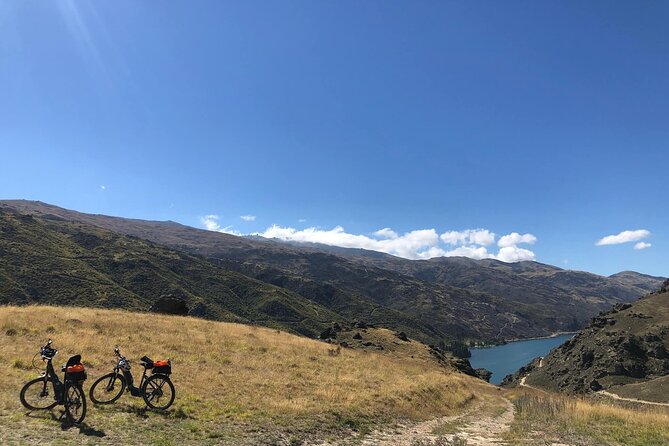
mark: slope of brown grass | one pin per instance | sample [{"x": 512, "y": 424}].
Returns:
[
  {"x": 542, "y": 418},
  {"x": 234, "y": 383}
]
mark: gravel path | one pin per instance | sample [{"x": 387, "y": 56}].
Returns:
[{"x": 475, "y": 426}]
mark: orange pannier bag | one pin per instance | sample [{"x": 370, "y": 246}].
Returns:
[
  {"x": 75, "y": 368},
  {"x": 75, "y": 373},
  {"x": 164, "y": 366}
]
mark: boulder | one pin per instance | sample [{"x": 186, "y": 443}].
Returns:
[
  {"x": 169, "y": 305},
  {"x": 483, "y": 374}
]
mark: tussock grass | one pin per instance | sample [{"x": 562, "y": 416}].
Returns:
[
  {"x": 586, "y": 421},
  {"x": 227, "y": 376}
]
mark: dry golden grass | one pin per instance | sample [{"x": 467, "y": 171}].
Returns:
[
  {"x": 226, "y": 376},
  {"x": 582, "y": 421}
]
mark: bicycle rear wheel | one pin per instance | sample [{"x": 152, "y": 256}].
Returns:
[
  {"x": 38, "y": 394},
  {"x": 158, "y": 392},
  {"x": 75, "y": 403}
]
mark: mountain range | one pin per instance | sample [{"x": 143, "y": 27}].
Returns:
[{"x": 53, "y": 255}]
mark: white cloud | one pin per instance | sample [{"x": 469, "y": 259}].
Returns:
[
  {"x": 211, "y": 223},
  {"x": 513, "y": 239},
  {"x": 302, "y": 220},
  {"x": 623, "y": 237},
  {"x": 416, "y": 244},
  {"x": 103, "y": 187},
  {"x": 409, "y": 245},
  {"x": 642, "y": 245},
  {"x": 386, "y": 233},
  {"x": 469, "y": 237},
  {"x": 248, "y": 217},
  {"x": 473, "y": 252},
  {"x": 514, "y": 254}
]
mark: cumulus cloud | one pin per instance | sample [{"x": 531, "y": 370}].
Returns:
[
  {"x": 481, "y": 237},
  {"x": 514, "y": 254},
  {"x": 416, "y": 244},
  {"x": 248, "y": 217},
  {"x": 642, "y": 245},
  {"x": 472, "y": 251},
  {"x": 211, "y": 223},
  {"x": 624, "y": 237},
  {"x": 410, "y": 245},
  {"x": 386, "y": 233},
  {"x": 513, "y": 239}
]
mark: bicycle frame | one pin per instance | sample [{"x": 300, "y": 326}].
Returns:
[
  {"x": 123, "y": 367},
  {"x": 56, "y": 383}
]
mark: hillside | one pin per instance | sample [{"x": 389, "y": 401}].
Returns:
[
  {"x": 63, "y": 263},
  {"x": 624, "y": 351},
  {"x": 235, "y": 384},
  {"x": 430, "y": 300}
]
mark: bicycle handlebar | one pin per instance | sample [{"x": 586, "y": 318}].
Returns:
[{"x": 46, "y": 351}]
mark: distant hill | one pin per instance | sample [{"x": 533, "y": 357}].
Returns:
[
  {"x": 638, "y": 280},
  {"x": 431, "y": 300},
  {"x": 625, "y": 351},
  {"x": 56, "y": 262}
]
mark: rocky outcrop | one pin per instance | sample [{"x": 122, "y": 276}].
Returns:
[
  {"x": 170, "y": 305},
  {"x": 483, "y": 374},
  {"x": 629, "y": 344}
]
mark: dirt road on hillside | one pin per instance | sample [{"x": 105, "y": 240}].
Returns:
[{"x": 479, "y": 427}]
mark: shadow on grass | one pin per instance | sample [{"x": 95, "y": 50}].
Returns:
[
  {"x": 143, "y": 412},
  {"x": 66, "y": 424},
  {"x": 84, "y": 429}
]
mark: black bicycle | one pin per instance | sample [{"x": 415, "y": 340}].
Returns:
[
  {"x": 157, "y": 389},
  {"x": 48, "y": 391}
]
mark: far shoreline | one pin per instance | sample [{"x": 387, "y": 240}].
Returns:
[{"x": 508, "y": 341}]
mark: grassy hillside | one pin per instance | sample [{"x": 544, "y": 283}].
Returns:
[
  {"x": 551, "y": 419},
  {"x": 235, "y": 384},
  {"x": 64, "y": 263}
]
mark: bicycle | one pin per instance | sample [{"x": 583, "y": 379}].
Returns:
[
  {"x": 35, "y": 394},
  {"x": 155, "y": 389}
]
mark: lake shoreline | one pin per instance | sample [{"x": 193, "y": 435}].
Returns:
[
  {"x": 506, "y": 359},
  {"x": 508, "y": 341}
]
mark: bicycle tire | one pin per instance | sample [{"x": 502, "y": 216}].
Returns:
[
  {"x": 154, "y": 385},
  {"x": 75, "y": 403},
  {"x": 52, "y": 402},
  {"x": 104, "y": 380}
]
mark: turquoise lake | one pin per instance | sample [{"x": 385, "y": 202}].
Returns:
[{"x": 503, "y": 360}]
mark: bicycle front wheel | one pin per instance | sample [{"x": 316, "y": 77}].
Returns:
[
  {"x": 75, "y": 403},
  {"x": 38, "y": 394},
  {"x": 107, "y": 389},
  {"x": 158, "y": 392}
]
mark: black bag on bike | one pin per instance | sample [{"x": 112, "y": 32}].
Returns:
[
  {"x": 164, "y": 367},
  {"x": 75, "y": 370}
]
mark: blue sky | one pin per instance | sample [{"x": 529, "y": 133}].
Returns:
[{"x": 544, "y": 119}]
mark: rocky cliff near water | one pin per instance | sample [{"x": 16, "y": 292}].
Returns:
[{"x": 624, "y": 346}]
